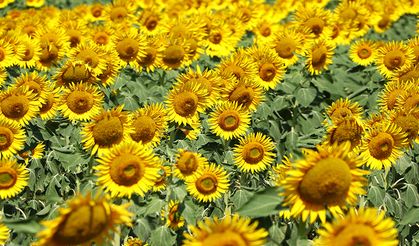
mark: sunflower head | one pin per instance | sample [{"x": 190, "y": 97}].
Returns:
[
  {"x": 319, "y": 56},
  {"x": 13, "y": 178},
  {"x": 394, "y": 56},
  {"x": 174, "y": 219},
  {"x": 363, "y": 52},
  {"x": 345, "y": 130},
  {"x": 344, "y": 109},
  {"x": 188, "y": 164},
  {"x": 4, "y": 233}
]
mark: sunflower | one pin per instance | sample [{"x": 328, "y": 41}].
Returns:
[
  {"x": 266, "y": 27},
  {"x": 101, "y": 35},
  {"x": 132, "y": 241},
  {"x": 3, "y": 76},
  {"x": 154, "y": 54},
  {"x": 363, "y": 52},
  {"x": 270, "y": 67},
  {"x": 319, "y": 56},
  {"x": 29, "y": 26},
  {"x": 231, "y": 230},
  {"x": 316, "y": 19},
  {"x": 80, "y": 102},
  {"x": 328, "y": 179},
  {"x": 127, "y": 169},
  {"x": 344, "y": 109},
  {"x": 74, "y": 72},
  {"x": 254, "y": 153},
  {"x": 75, "y": 29},
  {"x": 245, "y": 13},
  {"x": 367, "y": 226},
  {"x": 207, "y": 79},
  {"x": 394, "y": 56},
  {"x": 17, "y": 48},
  {"x": 229, "y": 120},
  {"x": 407, "y": 74},
  {"x": 49, "y": 108},
  {"x": 54, "y": 45},
  {"x": 407, "y": 122},
  {"x": 382, "y": 145},
  {"x": 345, "y": 130},
  {"x": 175, "y": 54},
  {"x": 35, "y": 82},
  {"x": 90, "y": 55},
  {"x": 220, "y": 42},
  {"x": 185, "y": 101},
  {"x": 4, "y": 234},
  {"x": 12, "y": 137},
  {"x": 188, "y": 164},
  {"x": 96, "y": 12},
  {"x": 13, "y": 178},
  {"x": 391, "y": 94},
  {"x": 35, "y": 3},
  {"x": 34, "y": 153},
  {"x": 86, "y": 219},
  {"x": 31, "y": 52},
  {"x": 210, "y": 183},
  {"x": 120, "y": 13},
  {"x": 6, "y": 54},
  {"x": 150, "y": 20},
  {"x": 172, "y": 215},
  {"x": 239, "y": 65},
  {"x": 107, "y": 129},
  {"x": 19, "y": 104},
  {"x": 413, "y": 43},
  {"x": 409, "y": 102},
  {"x": 162, "y": 179},
  {"x": 246, "y": 94},
  {"x": 149, "y": 124},
  {"x": 131, "y": 46},
  {"x": 354, "y": 16}
]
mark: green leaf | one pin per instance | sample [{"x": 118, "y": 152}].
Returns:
[
  {"x": 410, "y": 196},
  {"x": 192, "y": 212},
  {"x": 261, "y": 204},
  {"x": 154, "y": 206},
  {"x": 162, "y": 237},
  {"x": 305, "y": 96},
  {"x": 410, "y": 217},
  {"x": 376, "y": 195},
  {"x": 142, "y": 229},
  {"x": 402, "y": 164},
  {"x": 277, "y": 233},
  {"x": 241, "y": 197},
  {"x": 23, "y": 226}
]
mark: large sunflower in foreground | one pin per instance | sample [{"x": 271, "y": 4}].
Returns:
[
  {"x": 87, "y": 219},
  {"x": 392, "y": 57},
  {"x": 12, "y": 137},
  {"x": 127, "y": 169},
  {"x": 209, "y": 184},
  {"x": 228, "y": 120},
  {"x": 149, "y": 124},
  {"x": 188, "y": 164},
  {"x": 328, "y": 179},
  {"x": 367, "y": 226},
  {"x": 231, "y": 230},
  {"x": 80, "y": 102},
  {"x": 106, "y": 129},
  {"x": 13, "y": 178},
  {"x": 254, "y": 153},
  {"x": 382, "y": 145},
  {"x": 4, "y": 233}
]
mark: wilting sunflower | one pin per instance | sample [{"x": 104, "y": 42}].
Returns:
[
  {"x": 239, "y": 65},
  {"x": 345, "y": 130},
  {"x": 19, "y": 104},
  {"x": 185, "y": 101},
  {"x": 49, "y": 108},
  {"x": 6, "y": 54},
  {"x": 13, "y": 178},
  {"x": 270, "y": 67},
  {"x": 246, "y": 94},
  {"x": 80, "y": 102},
  {"x": 328, "y": 179},
  {"x": 394, "y": 56},
  {"x": 228, "y": 120},
  {"x": 133, "y": 241},
  {"x": 288, "y": 43},
  {"x": 382, "y": 145},
  {"x": 254, "y": 153},
  {"x": 188, "y": 164},
  {"x": 35, "y": 82},
  {"x": 149, "y": 124},
  {"x": 393, "y": 90},
  {"x": 231, "y": 230},
  {"x": 106, "y": 130},
  {"x": 209, "y": 184},
  {"x": 363, "y": 52},
  {"x": 172, "y": 215},
  {"x": 367, "y": 226},
  {"x": 90, "y": 55},
  {"x": 4, "y": 234},
  {"x": 131, "y": 46},
  {"x": 127, "y": 169},
  {"x": 344, "y": 109},
  {"x": 74, "y": 72},
  {"x": 12, "y": 137},
  {"x": 407, "y": 122},
  {"x": 87, "y": 219},
  {"x": 319, "y": 56},
  {"x": 162, "y": 179}
]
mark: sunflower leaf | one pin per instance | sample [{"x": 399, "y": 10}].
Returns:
[
  {"x": 261, "y": 204},
  {"x": 162, "y": 237}
]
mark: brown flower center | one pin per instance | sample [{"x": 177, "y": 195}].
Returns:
[
  {"x": 316, "y": 25},
  {"x": 265, "y": 30},
  {"x": 108, "y": 131},
  {"x": 346, "y": 131},
  {"x": 127, "y": 48},
  {"x": 76, "y": 74},
  {"x": 80, "y": 102},
  {"x": 151, "y": 22},
  {"x": 356, "y": 235},
  {"x": 253, "y": 152},
  {"x": 118, "y": 13},
  {"x": 215, "y": 38},
  {"x": 392, "y": 98},
  {"x": 127, "y": 170},
  {"x": 267, "y": 72},
  {"x": 394, "y": 59},
  {"x": 206, "y": 184},
  {"x": 47, "y": 105},
  {"x": 364, "y": 52},
  {"x": 150, "y": 57},
  {"x": 242, "y": 95},
  {"x": 319, "y": 56},
  {"x": 286, "y": 47},
  {"x": 409, "y": 124},
  {"x": 229, "y": 120},
  {"x": 145, "y": 129},
  {"x": 15, "y": 106},
  {"x": 185, "y": 103},
  {"x": 341, "y": 113},
  {"x": 27, "y": 55},
  {"x": 89, "y": 57},
  {"x": 101, "y": 38},
  {"x": 8, "y": 177},
  {"x": 173, "y": 55},
  {"x": 49, "y": 54},
  {"x": 327, "y": 182},
  {"x": 381, "y": 146},
  {"x": 6, "y": 138},
  {"x": 187, "y": 163}
]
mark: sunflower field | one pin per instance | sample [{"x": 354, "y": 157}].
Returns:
[{"x": 209, "y": 122}]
